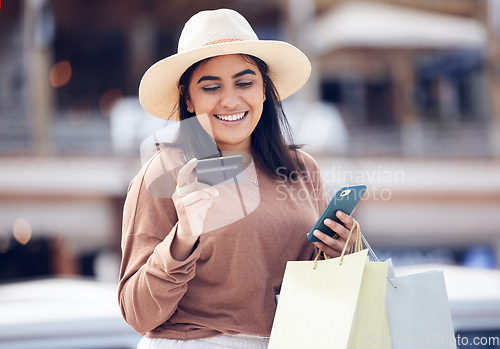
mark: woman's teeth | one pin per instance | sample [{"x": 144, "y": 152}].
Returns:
[{"x": 231, "y": 117}]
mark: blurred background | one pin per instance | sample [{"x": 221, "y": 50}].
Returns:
[{"x": 404, "y": 97}]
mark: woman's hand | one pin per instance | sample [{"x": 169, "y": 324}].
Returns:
[
  {"x": 333, "y": 247},
  {"x": 192, "y": 201}
]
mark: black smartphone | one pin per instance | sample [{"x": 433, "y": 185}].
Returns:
[
  {"x": 214, "y": 171},
  {"x": 344, "y": 200}
]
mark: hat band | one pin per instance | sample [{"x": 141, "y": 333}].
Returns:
[{"x": 221, "y": 41}]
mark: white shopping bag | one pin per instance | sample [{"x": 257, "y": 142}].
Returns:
[{"x": 418, "y": 311}]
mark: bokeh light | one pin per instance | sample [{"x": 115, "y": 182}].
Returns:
[
  {"x": 60, "y": 74},
  {"x": 22, "y": 231}
]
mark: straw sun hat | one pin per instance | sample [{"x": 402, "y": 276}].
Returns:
[{"x": 214, "y": 33}]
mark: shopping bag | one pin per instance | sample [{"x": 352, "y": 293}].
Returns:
[
  {"x": 371, "y": 327},
  {"x": 334, "y": 303},
  {"x": 418, "y": 312}
]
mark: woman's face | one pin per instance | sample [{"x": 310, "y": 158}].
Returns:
[{"x": 230, "y": 91}]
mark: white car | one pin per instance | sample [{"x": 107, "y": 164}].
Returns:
[{"x": 63, "y": 313}]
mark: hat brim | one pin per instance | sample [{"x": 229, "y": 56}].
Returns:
[{"x": 289, "y": 69}]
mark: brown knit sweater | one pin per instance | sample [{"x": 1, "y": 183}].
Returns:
[{"x": 228, "y": 283}]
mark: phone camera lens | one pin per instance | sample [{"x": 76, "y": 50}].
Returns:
[{"x": 345, "y": 192}]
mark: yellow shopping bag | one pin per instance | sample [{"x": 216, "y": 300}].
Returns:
[{"x": 334, "y": 303}]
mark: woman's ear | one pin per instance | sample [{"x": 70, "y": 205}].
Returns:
[{"x": 189, "y": 105}]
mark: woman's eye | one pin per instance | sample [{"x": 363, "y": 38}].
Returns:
[
  {"x": 244, "y": 84},
  {"x": 210, "y": 88}
]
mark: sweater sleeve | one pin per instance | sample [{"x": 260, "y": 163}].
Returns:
[{"x": 151, "y": 282}]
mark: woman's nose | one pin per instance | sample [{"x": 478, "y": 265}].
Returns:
[{"x": 230, "y": 98}]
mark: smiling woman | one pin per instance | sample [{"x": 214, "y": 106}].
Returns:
[
  {"x": 192, "y": 276},
  {"x": 230, "y": 90},
  {"x": 247, "y": 83}
]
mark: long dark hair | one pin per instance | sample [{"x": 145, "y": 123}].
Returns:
[{"x": 273, "y": 144}]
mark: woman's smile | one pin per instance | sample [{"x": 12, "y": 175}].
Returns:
[{"x": 231, "y": 119}]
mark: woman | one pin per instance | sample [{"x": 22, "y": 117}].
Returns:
[{"x": 192, "y": 274}]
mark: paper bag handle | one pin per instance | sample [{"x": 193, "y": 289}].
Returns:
[{"x": 358, "y": 244}]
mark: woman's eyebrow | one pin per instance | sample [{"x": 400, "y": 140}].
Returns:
[
  {"x": 244, "y": 72},
  {"x": 215, "y": 78},
  {"x": 208, "y": 77}
]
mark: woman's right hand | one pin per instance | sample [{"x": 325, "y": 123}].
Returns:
[{"x": 192, "y": 201}]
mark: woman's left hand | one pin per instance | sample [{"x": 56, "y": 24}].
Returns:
[{"x": 333, "y": 247}]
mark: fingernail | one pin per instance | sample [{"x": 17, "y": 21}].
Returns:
[
  {"x": 339, "y": 214},
  {"x": 317, "y": 233},
  {"x": 328, "y": 221}
]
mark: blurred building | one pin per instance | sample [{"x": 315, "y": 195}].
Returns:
[{"x": 409, "y": 90}]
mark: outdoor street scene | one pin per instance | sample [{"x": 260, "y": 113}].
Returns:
[{"x": 403, "y": 97}]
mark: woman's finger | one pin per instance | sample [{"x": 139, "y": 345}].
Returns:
[
  {"x": 349, "y": 224},
  {"x": 181, "y": 191},
  {"x": 329, "y": 241},
  {"x": 337, "y": 228},
  {"x": 329, "y": 251},
  {"x": 334, "y": 246},
  {"x": 196, "y": 196},
  {"x": 345, "y": 219},
  {"x": 185, "y": 171},
  {"x": 210, "y": 190}
]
